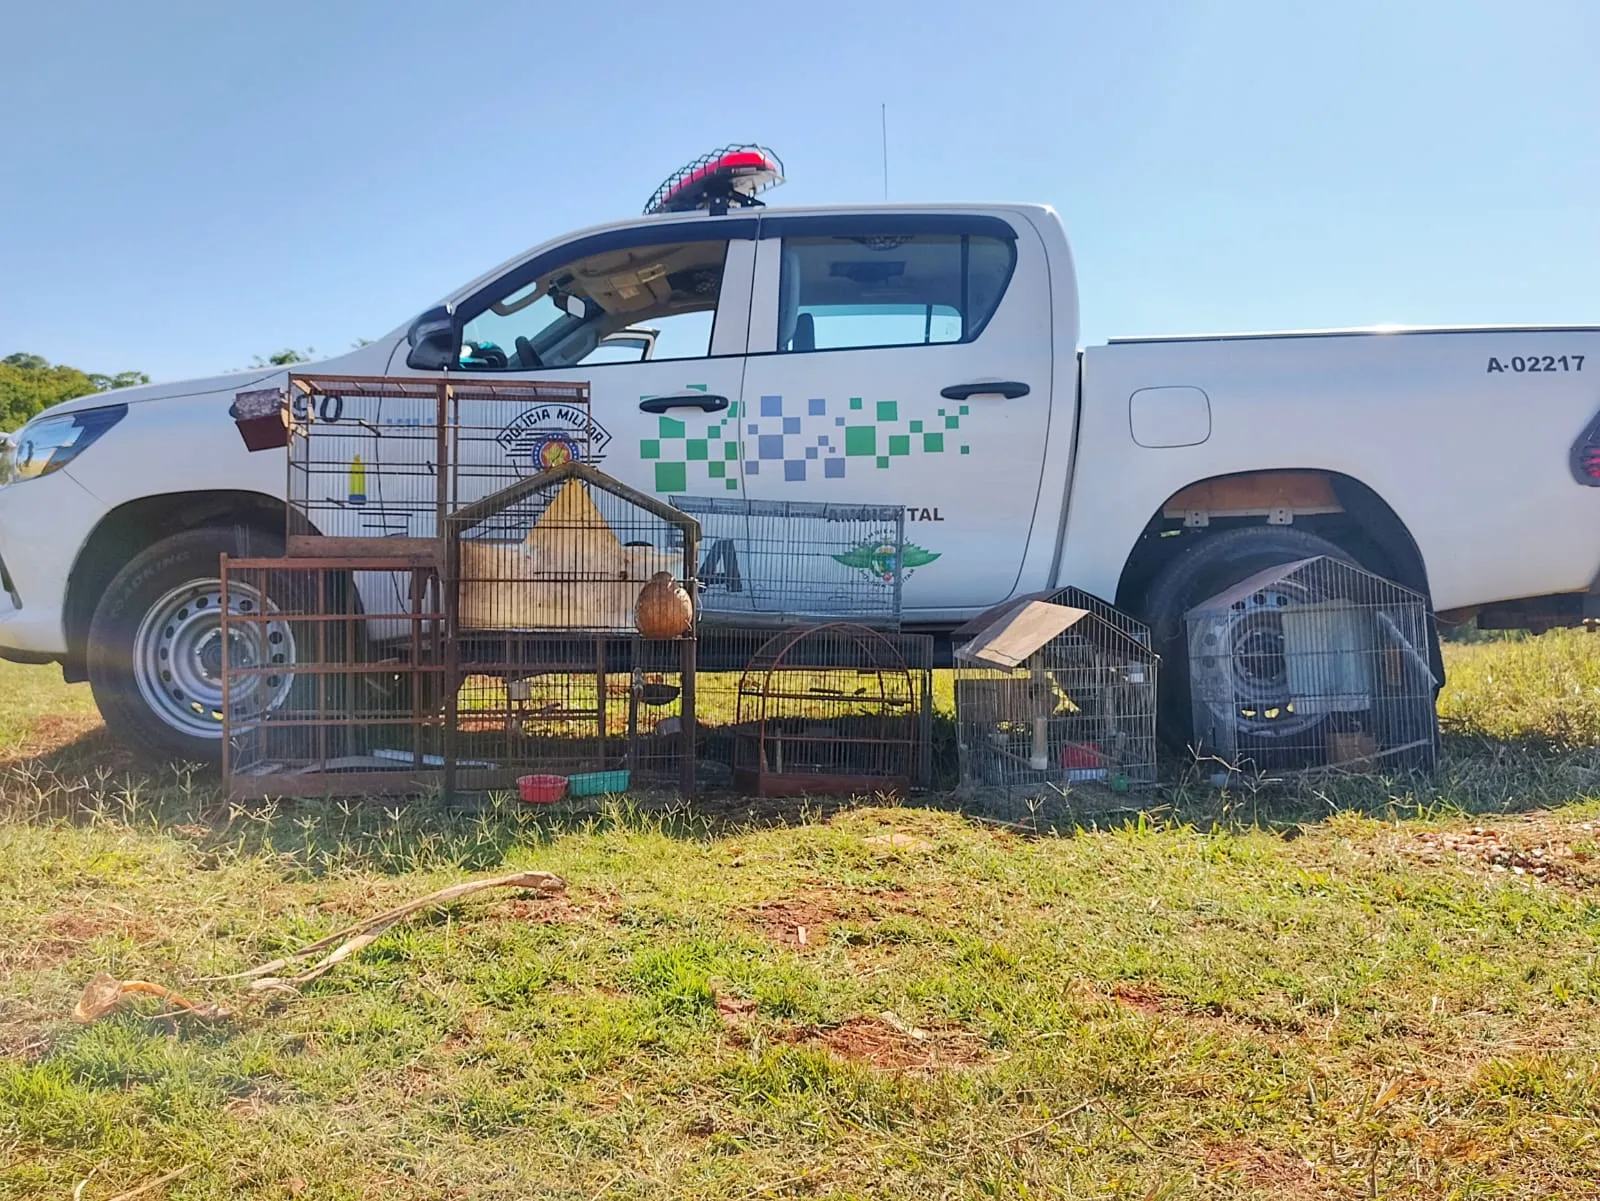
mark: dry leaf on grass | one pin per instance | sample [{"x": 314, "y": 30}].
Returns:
[
  {"x": 365, "y": 932},
  {"x": 104, "y": 993}
]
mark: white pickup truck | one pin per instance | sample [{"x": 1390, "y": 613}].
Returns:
[{"x": 925, "y": 356}]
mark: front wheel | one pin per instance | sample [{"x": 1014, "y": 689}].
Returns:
[{"x": 155, "y": 648}]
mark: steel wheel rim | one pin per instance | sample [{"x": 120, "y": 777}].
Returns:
[
  {"x": 177, "y": 657},
  {"x": 1244, "y": 660}
]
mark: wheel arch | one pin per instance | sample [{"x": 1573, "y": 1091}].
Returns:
[
  {"x": 1338, "y": 507},
  {"x": 129, "y": 528}
]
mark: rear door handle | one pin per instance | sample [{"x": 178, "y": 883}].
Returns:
[
  {"x": 1010, "y": 389},
  {"x": 706, "y": 402}
]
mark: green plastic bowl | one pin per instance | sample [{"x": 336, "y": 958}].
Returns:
[{"x": 597, "y": 783}]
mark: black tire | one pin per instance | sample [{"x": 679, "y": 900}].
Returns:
[
  {"x": 1215, "y": 562},
  {"x": 151, "y": 575}
]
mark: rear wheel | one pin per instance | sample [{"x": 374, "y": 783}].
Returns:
[
  {"x": 156, "y": 650},
  {"x": 1248, "y": 638}
]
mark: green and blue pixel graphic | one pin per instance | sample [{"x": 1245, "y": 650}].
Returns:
[{"x": 794, "y": 441}]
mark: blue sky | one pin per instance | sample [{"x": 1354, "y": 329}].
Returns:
[{"x": 186, "y": 184}]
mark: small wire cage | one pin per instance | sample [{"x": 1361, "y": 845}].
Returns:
[
  {"x": 372, "y": 458},
  {"x": 1052, "y": 698},
  {"x": 571, "y": 630},
  {"x": 778, "y": 562},
  {"x": 321, "y": 693},
  {"x": 826, "y": 710},
  {"x": 1317, "y": 663},
  {"x": 724, "y": 653}
]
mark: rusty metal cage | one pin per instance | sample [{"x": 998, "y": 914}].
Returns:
[
  {"x": 1052, "y": 699},
  {"x": 376, "y": 465},
  {"x": 570, "y": 628},
  {"x": 826, "y": 710},
  {"x": 1317, "y": 663},
  {"x": 778, "y": 562},
  {"x": 323, "y": 693}
]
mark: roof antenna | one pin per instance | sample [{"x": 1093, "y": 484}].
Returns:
[{"x": 883, "y": 117}]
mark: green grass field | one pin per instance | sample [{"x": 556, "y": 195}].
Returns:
[{"x": 1380, "y": 988}]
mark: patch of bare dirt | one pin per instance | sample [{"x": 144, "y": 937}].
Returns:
[
  {"x": 1145, "y": 1000},
  {"x": 737, "y": 1014},
  {"x": 67, "y": 935},
  {"x": 890, "y": 1044},
  {"x": 799, "y": 922},
  {"x": 1285, "y": 1173},
  {"x": 1536, "y": 848},
  {"x": 23, "y": 1044},
  {"x": 1153, "y": 1003},
  {"x": 556, "y": 910}
]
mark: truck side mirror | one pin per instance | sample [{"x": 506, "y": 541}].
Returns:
[{"x": 435, "y": 341}]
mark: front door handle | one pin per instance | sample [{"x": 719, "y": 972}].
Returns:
[
  {"x": 1010, "y": 389},
  {"x": 706, "y": 402}
]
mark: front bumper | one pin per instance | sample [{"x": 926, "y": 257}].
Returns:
[{"x": 43, "y": 524}]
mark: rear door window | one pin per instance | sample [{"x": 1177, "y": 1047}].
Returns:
[{"x": 850, "y": 292}]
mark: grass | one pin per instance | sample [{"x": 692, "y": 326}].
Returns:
[{"x": 1385, "y": 988}]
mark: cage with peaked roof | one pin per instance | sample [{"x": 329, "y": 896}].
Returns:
[
  {"x": 571, "y": 628},
  {"x": 1052, "y": 698},
  {"x": 1316, "y": 663}
]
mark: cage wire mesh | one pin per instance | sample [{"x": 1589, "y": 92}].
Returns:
[
  {"x": 1055, "y": 708},
  {"x": 725, "y": 653},
  {"x": 323, "y": 694},
  {"x": 571, "y": 634},
  {"x": 783, "y": 561},
  {"x": 825, "y": 710},
  {"x": 1316, "y": 663},
  {"x": 608, "y": 712},
  {"x": 376, "y": 458}
]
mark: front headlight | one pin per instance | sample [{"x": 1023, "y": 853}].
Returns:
[{"x": 49, "y": 443}]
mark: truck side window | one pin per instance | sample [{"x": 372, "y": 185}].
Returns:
[
  {"x": 569, "y": 316},
  {"x": 837, "y": 293}
]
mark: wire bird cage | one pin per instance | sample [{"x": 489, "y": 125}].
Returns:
[
  {"x": 571, "y": 633},
  {"x": 724, "y": 653},
  {"x": 1052, "y": 697},
  {"x": 783, "y": 561},
  {"x": 376, "y": 465},
  {"x": 826, "y": 710},
  {"x": 323, "y": 693},
  {"x": 1317, "y": 663}
]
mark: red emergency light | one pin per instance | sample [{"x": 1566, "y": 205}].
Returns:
[{"x": 717, "y": 181}]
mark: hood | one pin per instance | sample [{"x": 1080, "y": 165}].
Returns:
[{"x": 371, "y": 359}]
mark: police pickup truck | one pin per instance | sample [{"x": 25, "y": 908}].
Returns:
[{"x": 919, "y": 355}]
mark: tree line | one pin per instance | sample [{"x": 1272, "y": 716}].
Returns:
[{"x": 30, "y": 383}]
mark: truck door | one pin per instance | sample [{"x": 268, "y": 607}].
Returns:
[
  {"x": 663, "y": 398},
  {"x": 906, "y": 359}
]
